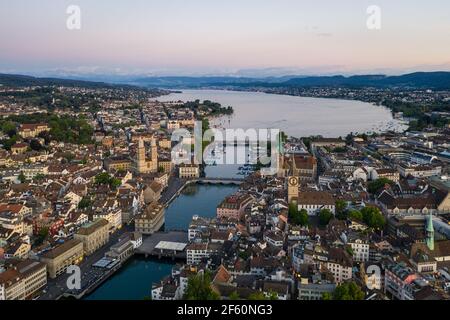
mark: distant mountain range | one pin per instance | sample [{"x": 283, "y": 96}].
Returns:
[{"x": 418, "y": 80}]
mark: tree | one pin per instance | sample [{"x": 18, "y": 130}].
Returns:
[
  {"x": 376, "y": 186},
  {"x": 43, "y": 232},
  {"x": 35, "y": 145},
  {"x": 298, "y": 218},
  {"x": 46, "y": 136},
  {"x": 102, "y": 178},
  {"x": 341, "y": 206},
  {"x": 42, "y": 235},
  {"x": 9, "y": 128},
  {"x": 22, "y": 177},
  {"x": 39, "y": 177},
  {"x": 348, "y": 291},
  {"x": 303, "y": 218},
  {"x": 355, "y": 215},
  {"x": 234, "y": 296},
  {"x": 84, "y": 203},
  {"x": 8, "y": 143},
  {"x": 373, "y": 218},
  {"x": 325, "y": 216},
  {"x": 293, "y": 209},
  {"x": 114, "y": 183},
  {"x": 257, "y": 296},
  {"x": 341, "y": 209},
  {"x": 105, "y": 179},
  {"x": 199, "y": 288},
  {"x": 327, "y": 296},
  {"x": 273, "y": 295}
]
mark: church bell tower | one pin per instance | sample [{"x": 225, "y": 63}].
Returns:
[
  {"x": 140, "y": 157},
  {"x": 293, "y": 184},
  {"x": 154, "y": 152}
]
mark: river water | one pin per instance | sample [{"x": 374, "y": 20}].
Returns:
[{"x": 134, "y": 280}]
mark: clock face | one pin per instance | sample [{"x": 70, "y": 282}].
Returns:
[{"x": 293, "y": 181}]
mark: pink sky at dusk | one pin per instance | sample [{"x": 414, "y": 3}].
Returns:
[{"x": 217, "y": 36}]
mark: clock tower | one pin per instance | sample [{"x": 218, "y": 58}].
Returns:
[{"x": 292, "y": 189}]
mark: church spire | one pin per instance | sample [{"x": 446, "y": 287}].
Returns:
[{"x": 430, "y": 233}]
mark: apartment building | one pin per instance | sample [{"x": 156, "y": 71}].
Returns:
[
  {"x": 233, "y": 206},
  {"x": 93, "y": 235},
  {"x": 360, "y": 250},
  {"x": 339, "y": 264},
  {"x": 195, "y": 252},
  {"x": 398, "y": 281},
  {"x": 151, "y": 220},
  {"x": 113, "y": 216},
  {"x": 22, "y": 279},
  {"x": 63, "y": 256}
]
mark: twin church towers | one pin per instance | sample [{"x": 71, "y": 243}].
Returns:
[{"x": 144, "y": 165}]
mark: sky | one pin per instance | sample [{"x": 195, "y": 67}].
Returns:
[{"x": 242, "y": 37}]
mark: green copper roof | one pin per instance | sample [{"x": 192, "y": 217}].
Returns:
[
  {"x": 430, "y": 224},
  {"x": 430, "y": 233}
]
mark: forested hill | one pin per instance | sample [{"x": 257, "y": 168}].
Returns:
[
  {"x": 13, "y": 80},
  {"x": 419, "y": 80}
]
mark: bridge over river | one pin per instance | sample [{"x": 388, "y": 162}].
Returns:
[{"x": 208, "y": 180}]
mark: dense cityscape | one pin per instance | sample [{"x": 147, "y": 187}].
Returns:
[
  {"x": 87, "y": 176},
  {"x": 224, "y": 159}
]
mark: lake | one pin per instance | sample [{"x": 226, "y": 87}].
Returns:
[{"x": 297, "y": 116}]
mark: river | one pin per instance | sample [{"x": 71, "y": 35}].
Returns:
[{"x": 134, "y": 280}]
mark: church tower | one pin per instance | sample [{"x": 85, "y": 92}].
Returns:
[
  {"x": 144, "y": 165},
  {"x": 140, "y": 157},
  {"x": 154, "y": 152},
  {"x": 430, "y": 233},
  {"x": 292, "y": 189}
]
